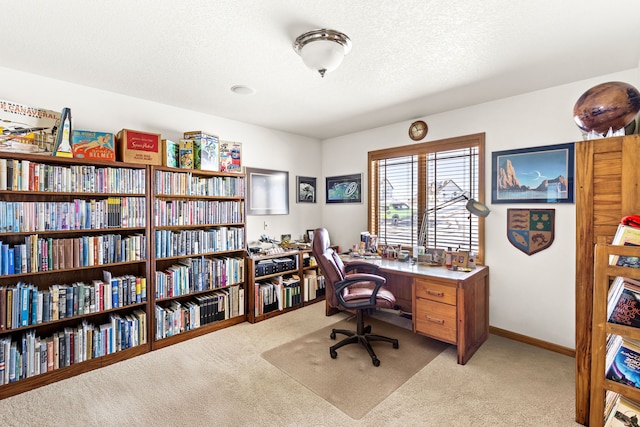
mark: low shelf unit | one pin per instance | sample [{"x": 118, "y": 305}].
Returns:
[{"x": 281, "y": 282}]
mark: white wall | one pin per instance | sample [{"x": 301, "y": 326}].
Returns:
[
  {"x": 98, "y": 110},
  {"x": 530, "y": 295}
]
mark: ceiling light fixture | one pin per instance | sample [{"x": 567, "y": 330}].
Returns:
[{"x": 322, "y": 50}]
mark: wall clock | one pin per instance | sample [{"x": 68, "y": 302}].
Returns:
[{"x": 418, "y": 130}]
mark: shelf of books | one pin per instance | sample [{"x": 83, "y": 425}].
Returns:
[
  {"x": 313, "y": 280},
  {"x": 615, "y": 370},
  {"x": 282, "y": 282},
  {"x": 198, "y": 240},
  {"x": 73, "y": 267}
]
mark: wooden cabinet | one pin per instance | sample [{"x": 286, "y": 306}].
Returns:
[
  {"x": 604, "y": 275},
  {"x": 276, "y": 284},
  {"x": 453, "y": 307},
  {"x": 607, "y": 181},
  {"x": 74, "y": 288},
  {"x": 198, "y": 252},
  {"x": 435, "y": 313}
]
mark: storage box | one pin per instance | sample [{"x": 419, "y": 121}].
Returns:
[
  {"x": 139, "y": 147},
  {"x": 206, "y": 156},
  {"x": 93, "y": 145},
  {"x": 186, "y": 154},
  {"x": 27, "y": 129},
  {"x": 170, "y": 153},
  {"x": 230, "y": 156}
]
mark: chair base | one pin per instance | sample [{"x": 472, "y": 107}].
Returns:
[{"x": 363, "y": 336}]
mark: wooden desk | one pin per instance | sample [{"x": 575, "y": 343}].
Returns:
[{"x": 449, "y": 306}]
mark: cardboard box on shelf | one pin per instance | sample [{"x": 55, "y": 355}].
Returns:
[
  {"x": 139, "y": 147},
  {"x": 27, "y": 129},
  {"x": 93, "y": 145}
]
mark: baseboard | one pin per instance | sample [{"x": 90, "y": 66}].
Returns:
[{"x": 533, "y": 341}]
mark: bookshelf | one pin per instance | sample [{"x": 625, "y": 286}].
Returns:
[
  {"x": 604, "y": 275},
  {"x": 197, "y": 258},
  {"x": 312, "y": 278},
  {"x": 606, "y": 182},
  {"x": 74, "y": 272},
  {"x": 276, "y": 283}
]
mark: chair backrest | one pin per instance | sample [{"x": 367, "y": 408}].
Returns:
[{"x": 330, "y": 263}]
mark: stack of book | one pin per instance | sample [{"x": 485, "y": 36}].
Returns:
[{"x": 620, "y": 411}]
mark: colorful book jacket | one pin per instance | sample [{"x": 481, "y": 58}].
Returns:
[{"x": 625, "y": 365}]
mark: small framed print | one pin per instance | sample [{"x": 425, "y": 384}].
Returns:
[
  {"x": 344, "y": 188},
  {"x": 310, "y": 235},
  {"x": 306, "y": 189},
  {"x": 460, "y": 258}
]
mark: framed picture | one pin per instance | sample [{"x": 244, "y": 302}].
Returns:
[
  {"x": 533, "y": 175},
  {"x": 310, "y": 235},
  {"x": 267, "y": 192},
  {"x": 306, "y": 189},
  {"x": 344, "y": 189}
]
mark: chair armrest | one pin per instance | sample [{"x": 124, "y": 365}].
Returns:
[
  {"x": 361, "y": 266},
  {"x": 355, "y": 278}
]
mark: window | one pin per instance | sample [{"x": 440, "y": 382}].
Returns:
[{"x": 418, "y": 193}]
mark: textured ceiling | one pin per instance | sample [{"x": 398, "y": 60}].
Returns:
[{"x": 410, "y": 58}]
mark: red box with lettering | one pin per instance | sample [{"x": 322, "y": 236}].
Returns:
[{"x": 139, "y": 147}]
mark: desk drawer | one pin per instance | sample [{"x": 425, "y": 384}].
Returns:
[
  {"x": 436, "y": 320},
  {"x": 435, "y": 291}
]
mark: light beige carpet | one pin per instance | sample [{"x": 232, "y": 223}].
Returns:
[{"x": 351, "y": 382}]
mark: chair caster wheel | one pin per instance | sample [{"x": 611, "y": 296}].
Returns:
[
  {"x": 333, "y": 335},
  {"x": 375, "y": 361},
  {"x": 396, "y": 345},
  {"x": 367, "y": 329},
  {"x": 334, "y": 354}
]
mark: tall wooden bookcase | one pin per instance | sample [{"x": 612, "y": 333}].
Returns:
[
  {"x": 607, "y": 189},
  {"x": 78, "y": 219},
  {"x": 63, "y": 224},
  {"x": 198, "y": 247}
]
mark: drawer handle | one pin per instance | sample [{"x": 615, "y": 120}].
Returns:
[
  {"x": 438, "y": 321},
  {"x": 434, "y": 293}
]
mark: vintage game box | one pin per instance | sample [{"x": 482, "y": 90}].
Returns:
[
  {"x": 93, "y": 145},
  {"x": 230, "y": 156},
  {"x": 27, "y": 129},
  {"x": 186, "y": 153},
  {"x": 139, "y": 147},
  {"x": 170, "y": 153},
  {"x": 207, "y": 157}
]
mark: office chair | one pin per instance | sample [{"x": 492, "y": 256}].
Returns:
[{"x": 359, "y": 291}]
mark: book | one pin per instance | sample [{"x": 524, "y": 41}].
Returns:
[
  {"x": 623, "y": 362},
  {"x": 625, "y": 236},
  {"x": 624, "y": 309},
  {"x": 625, "y": 413}
]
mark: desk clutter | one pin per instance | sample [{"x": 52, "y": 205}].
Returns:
[{"x": 456, "y": 260}]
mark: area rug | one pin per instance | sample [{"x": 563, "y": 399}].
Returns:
[{"x": 351, "y": 382}]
